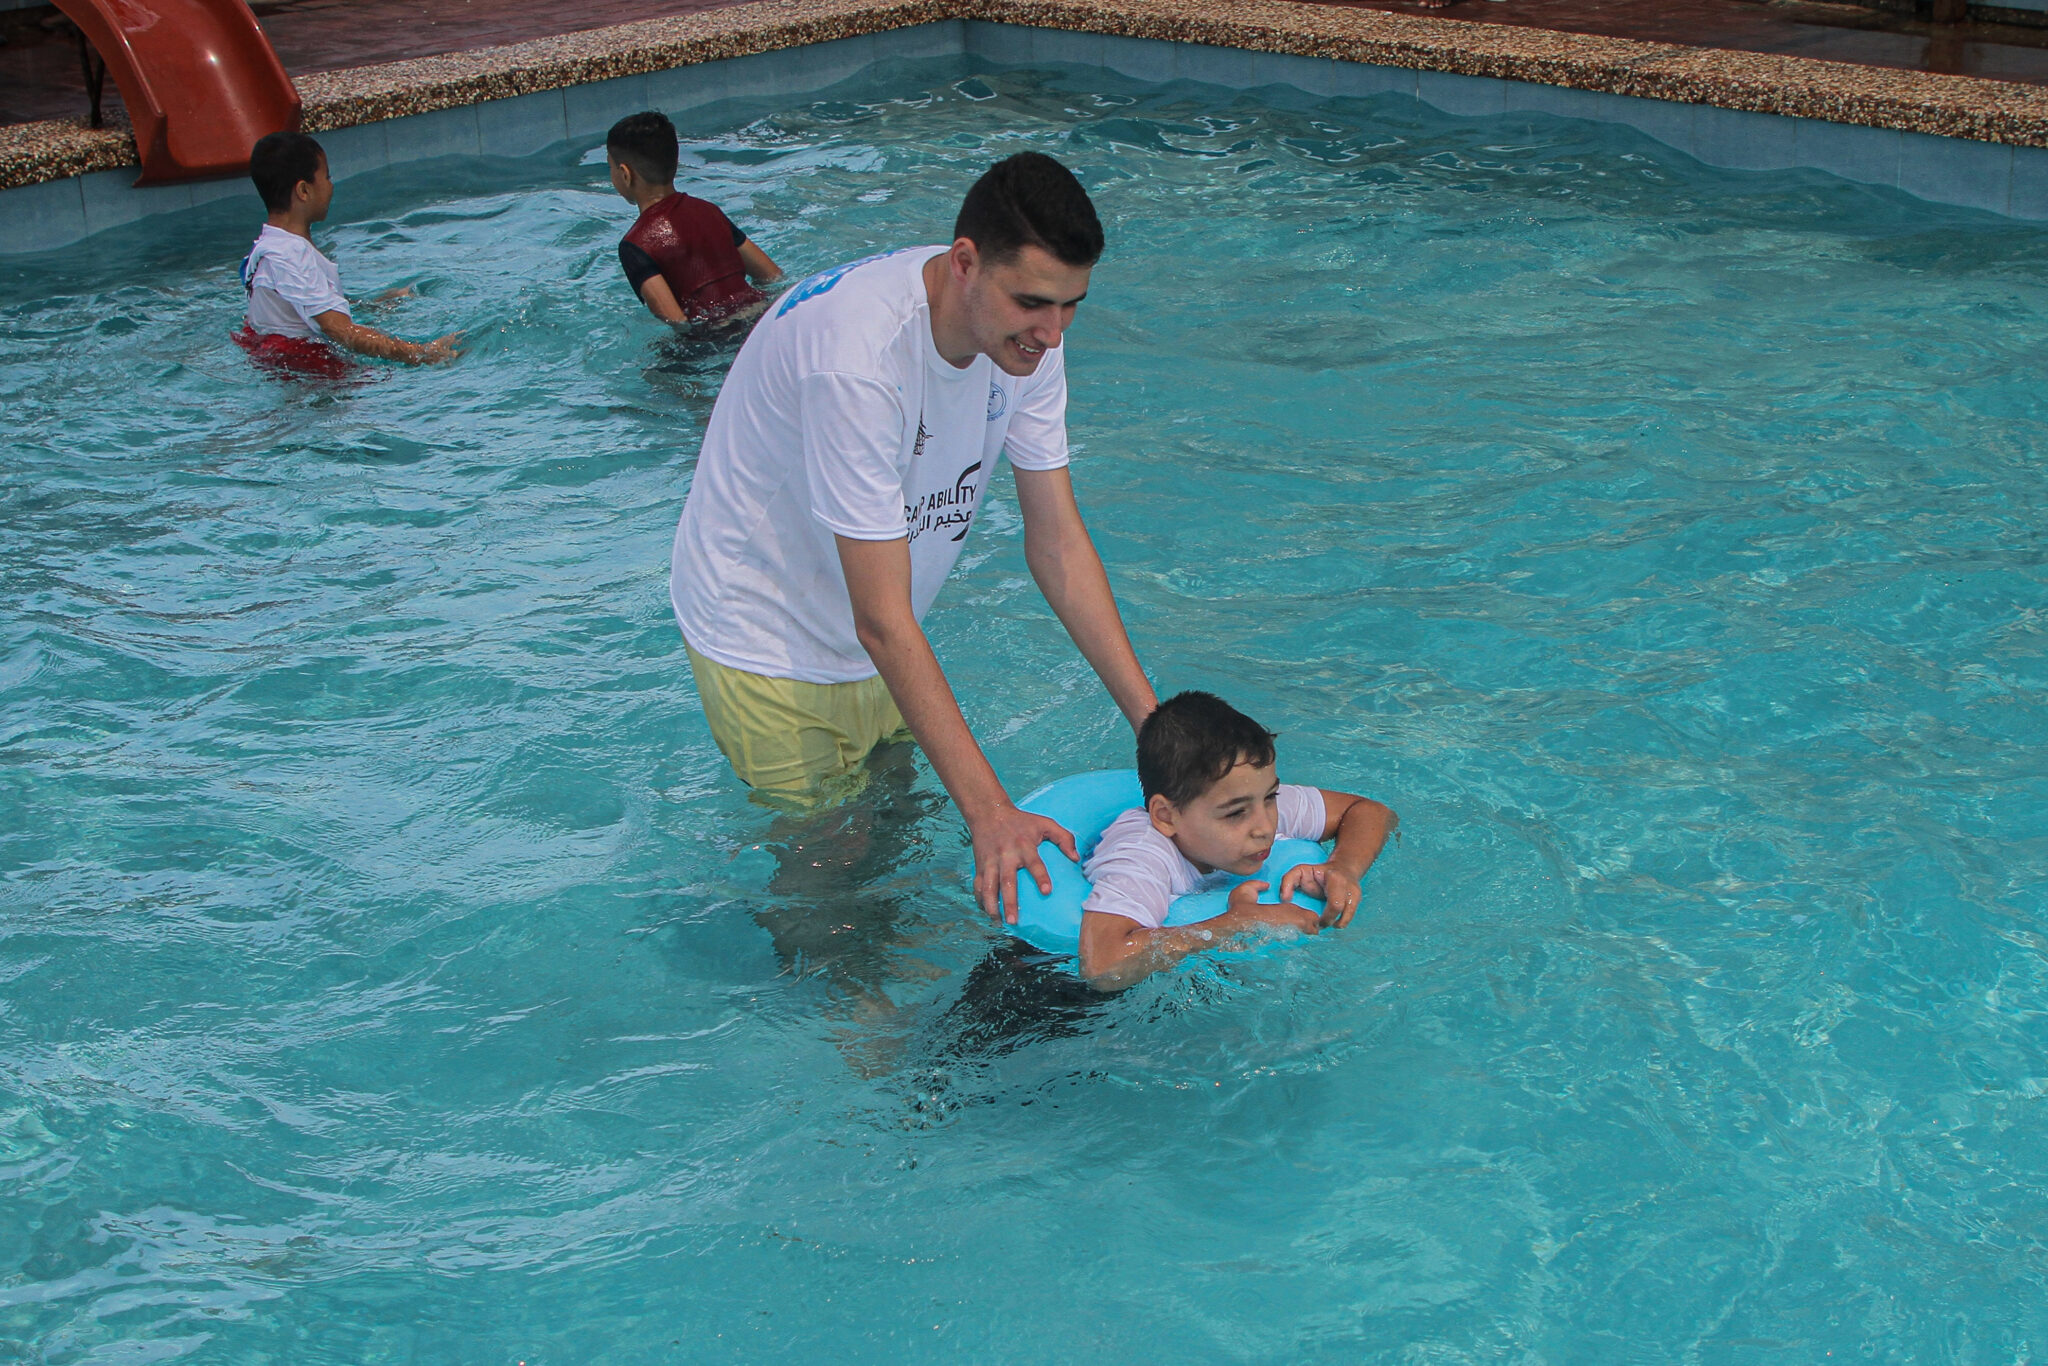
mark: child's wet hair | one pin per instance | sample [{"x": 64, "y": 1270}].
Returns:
[
  {"x": 1191, "y": 741},
  {"x": 1030, "y": 200},
  {"x": 647, "y": 143},
  {"x": 280, "y": 163}
]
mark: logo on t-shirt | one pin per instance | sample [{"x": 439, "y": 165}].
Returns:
[
  {"x": 943, "y": 509},
  {"x": 998, "y": 401},
  {"x": 824, "y": 280}
]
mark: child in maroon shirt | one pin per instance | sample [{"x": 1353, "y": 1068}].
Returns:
[{"x": 684, "y": 258}]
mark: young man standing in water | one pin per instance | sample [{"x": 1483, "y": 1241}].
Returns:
[{"x": 844, "y": 463}]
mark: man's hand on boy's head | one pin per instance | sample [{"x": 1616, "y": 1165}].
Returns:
[{"x": 1337, "y": 889}]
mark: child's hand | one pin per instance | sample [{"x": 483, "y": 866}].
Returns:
[
  {"x": 1337, "y": 889},
  {"x": 441, "y": 350},
  {"x": 1247, "y": 909}
]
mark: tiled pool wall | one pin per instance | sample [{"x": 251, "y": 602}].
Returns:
[
  {"x": 1979, "y": 175},
  {"x": 1982, "y": 175}
]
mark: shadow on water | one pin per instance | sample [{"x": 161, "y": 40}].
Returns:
[
  {"x": 1014, "y": 998},
  {"x": 692, "y": 361},
  {"x": 1017, "y": 997}
]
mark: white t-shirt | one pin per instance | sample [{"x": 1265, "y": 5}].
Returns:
[
  {"x": 840, "y": 416},
  {"x": 289, "y": 283},
  {"x": 1138, "y": 872}
]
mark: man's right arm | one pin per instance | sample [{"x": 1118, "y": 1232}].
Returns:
[{"x": 1005, "y": 838}]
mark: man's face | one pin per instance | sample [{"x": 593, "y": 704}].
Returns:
[
  {"x": 1019, "y": 308},
  {"x": 1231, "y": 826}
]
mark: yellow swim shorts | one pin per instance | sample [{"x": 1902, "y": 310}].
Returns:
[{"x": 796, "y": 744}]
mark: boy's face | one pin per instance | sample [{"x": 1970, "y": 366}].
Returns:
[
  {"x": 622, "y": 179},
  {"x": 1230, "y": 826},
  {"x": 318, "y": 193}
]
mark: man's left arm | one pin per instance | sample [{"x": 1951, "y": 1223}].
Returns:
[{"x": 1067, "y": 569}]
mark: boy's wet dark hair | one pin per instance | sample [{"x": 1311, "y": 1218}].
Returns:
[
  {"x": 1030, "y": 200},
  {"x": 1192, "y": 741},
  {"x": 647, "y": 143},
  {"x": 279, "y": 163}
]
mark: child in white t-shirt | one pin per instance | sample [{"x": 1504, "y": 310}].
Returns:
[
  {"x": 1213, "y": 808},
  {"x": 295, "y": 298}
]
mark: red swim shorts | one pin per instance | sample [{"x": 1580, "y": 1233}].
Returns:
[{"x": 299, "y": 356}]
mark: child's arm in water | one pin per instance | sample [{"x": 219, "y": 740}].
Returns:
[
  {"x": 368, "y": 341},
  {"x": 661, "y": 300},
  {"x": 1360, "y": 826},
  {"x": 760, "y": 269},
  {"x": 1117, "y": 951}
]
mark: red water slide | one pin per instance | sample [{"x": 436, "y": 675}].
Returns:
[{"x": 200, "y": 80}]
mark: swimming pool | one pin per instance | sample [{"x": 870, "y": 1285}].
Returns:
[{"x": 393, "y": 973}]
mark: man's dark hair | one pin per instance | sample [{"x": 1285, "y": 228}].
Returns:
[
  {"x": 647, "y": 143},
  {"x": 1191, "y": 741},
  {"x": 279, "y": 163},
  {"x": 1030, "y": 200}
]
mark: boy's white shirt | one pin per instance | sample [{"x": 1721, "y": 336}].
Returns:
[
  {"x": 1137, "y": 872},
  {"x": 840, "y": 417},
  {"x": 290, "y": 283}
]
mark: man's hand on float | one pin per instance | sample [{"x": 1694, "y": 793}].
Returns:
[
  {"x": 1005, "y": 839},
  {"x": 1006, "y": 843}
]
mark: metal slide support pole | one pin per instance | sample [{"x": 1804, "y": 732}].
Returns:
[{"x": 95, "y": 70}]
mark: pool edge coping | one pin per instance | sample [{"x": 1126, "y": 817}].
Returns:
[{"x": 1966, "y": 108}]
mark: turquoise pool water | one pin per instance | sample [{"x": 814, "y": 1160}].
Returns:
[{"x": 392, "y": 973}]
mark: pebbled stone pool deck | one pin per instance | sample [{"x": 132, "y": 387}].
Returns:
[{"x": 1963, "y": 107}]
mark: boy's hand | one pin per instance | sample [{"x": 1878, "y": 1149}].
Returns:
[
  {"x": 1246, "y": 908},
  {"x": 1334, "y": 887},
  {"x": 441, "y": 350}
]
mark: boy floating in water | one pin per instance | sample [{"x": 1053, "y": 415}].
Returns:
[
  {"x": 1213, "y": 808},
  {"x": 683, "y": 257},
  {"x": 295, "y": 299}
]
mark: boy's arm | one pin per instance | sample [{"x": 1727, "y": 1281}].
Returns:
[
  {"x": 760, "y": 269},
  {"x": 661, "y": 300},
  {"x": 368, "y": 341},
  {"x": 1360, "y": 826},
  {"x": 1117, "y": 952}
]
